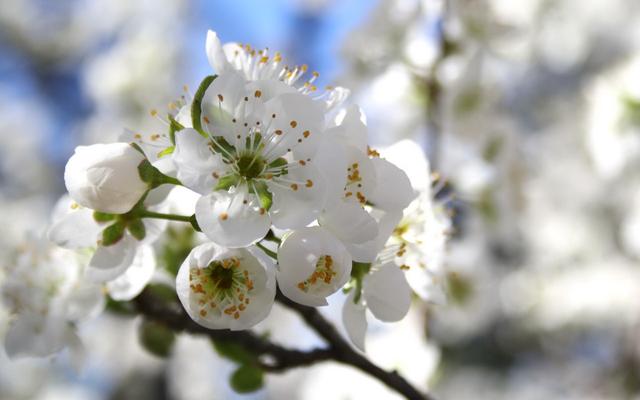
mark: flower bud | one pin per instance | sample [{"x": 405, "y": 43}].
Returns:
[{"x": 104, "y": 177}]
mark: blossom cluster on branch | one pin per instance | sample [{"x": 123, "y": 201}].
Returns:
[{"x": 279, "y": 179}]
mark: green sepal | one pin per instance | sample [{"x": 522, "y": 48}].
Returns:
[
  {"x": 174, "y": 126},
  {"x": 103, "y": 217},
  {"x": 137, "y": 229},
  {"x": 167, "y": 151},
  {"x": 156, "y": 338},
  {"x": 153, "y": 176},
  {"x": 176, "y": 248},
  {"x": 113, "y": 233},
  {"x": 196, "y": 104},
  {"x": 247, "y": 378},
  {"x": 263, "y": 193},
  {"x": 137, "y": 147},
  {"x": 124, "y": 308},
  {"x": 227, "y": 181},
  {"x": 163, "y": 292},
  {"x": 358, "y": 271}
]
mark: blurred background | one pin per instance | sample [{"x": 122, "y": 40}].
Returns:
[{"x": 529, "y": 109}]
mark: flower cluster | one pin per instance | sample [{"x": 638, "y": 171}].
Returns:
[{"x": 289, "y": 195}]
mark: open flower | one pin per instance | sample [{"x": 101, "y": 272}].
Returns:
[
  {"x": 257, "y": 65},
  {"x": 105, "y": 178},
  {"x": 44, "y": 291},
  {"x": 312, "y": 264},
  {"x": 224, "y": 288},
  {"x": 255, "y": 166},
  {"x": 363, "y": 189}
]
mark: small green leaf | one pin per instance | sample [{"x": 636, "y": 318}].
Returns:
[
  {"x": 167, "y": 151},
  {"x": 103, "y": 217},
  {"x": 196, "y": 105},
  {"x": 120, "y": 307},
  {"x": 233, "y": 352},
  {"x": 358, "y": 271},
  {"x": 138, "y": 148},
  {"x": 113, "y": 233},
  {"x": 174, "y": 126},
  {"x": 156, "y": 338},
  {"x": 226, "y": 182},
  {"x": 163, "y": 292},
  {"x": 264, "y": 195},
  {"x": 247, "y": 378},
  {"x": 137, "y": 229}
]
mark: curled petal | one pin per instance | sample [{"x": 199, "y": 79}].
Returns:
[
  {"x": 354, "y": 318},
  {"x": 387, "y": 293},
  {"x": 109, "y": 262},
  {"x": 313, "y": 264},
  {"x": 130, "y": 284}
]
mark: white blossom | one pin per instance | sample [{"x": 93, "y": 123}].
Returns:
[
  {"x": 224, "y": 288},
  {"x": 312, "y": 264},
  {"x": 255, "y": 166},
  {"x": 104, "y": 177},
  {"x": 44, "y": 291}
]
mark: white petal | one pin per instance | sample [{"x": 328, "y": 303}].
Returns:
[
  {"x": 393, "y": 190},
  {"x": 85, "y": 300},
  {"x": 409, "y": 157},
  {"x": 368, "y": 251},
  {"x": 227, "y": 221},
  {"x": 297, "y": 208},
  {"x": 298, "y": 257},
  {"x": 352, "y": 127},
  {"x": 301, "y": 120},
  {"x": 109, "y": 262},
  {"x": 36, "y": 335},
  {"x": 195, "y": 162},
  {"x": 387, "y": 293},
  {"x": 215, "y": 55},
  {"x": 426, "y": 285},
  {"x": 130, "y": 284},
  {"x": 331, "y": 160},
  {"x": 349, "y": 222},
  {"x": 223, "y": 106},
  {"x": 354, "y": 318},
  {"x": 76, "y": 230}
]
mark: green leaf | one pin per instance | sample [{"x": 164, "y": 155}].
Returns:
[
  {"x": 156, "y": 338},
  {"x": 163, "y": 292},
  {"x": 196, "y": 105},
  {"x": 137, "y": 229},
  {"x": 103, "y": 217},
  {"x": 121, "y": 307},
  {"x": 167, "y": 151},
  {"x": 174, "y": 126},
  {"x": 227, "y": 181},
  {"x": 247, "y": 379},
  {"x": 264, "y": 195},
  {"x": 233, "y": 352},
  {"x": 113, "y": 233},
  {"x": 176, "y": 247}
]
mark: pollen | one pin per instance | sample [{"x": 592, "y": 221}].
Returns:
[
  {"x": 220, "y": 97},
  {"x": 293, "y": 123},
  {"x": 372, "y": 153},
  {"x": 306, "y": 134},
  {"x": 206, "y": 120},
  {"x": 278, "y": 132},
  {"x": 153, "y": 113},
  {"x": 309, "y": 183},
  {"x": 302, "y": 162},
  {"x": 257, "y": 94},
  {"x": 224, "y": 216},
  {"x": 294, "y": 186}
]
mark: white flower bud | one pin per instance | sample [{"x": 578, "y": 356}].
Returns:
[{"x": 104, "y": 177}]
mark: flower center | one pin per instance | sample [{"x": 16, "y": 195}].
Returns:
[
  {"x": 250, "y": 165},
  {"x": 321, "y": 277},
  {"x": 222, "y": 287}
]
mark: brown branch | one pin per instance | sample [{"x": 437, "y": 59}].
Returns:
[
  {"x": 273, "y": 357},
  {"x": 344, "y": 353},
  {"x": 276, "y": 358}
]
